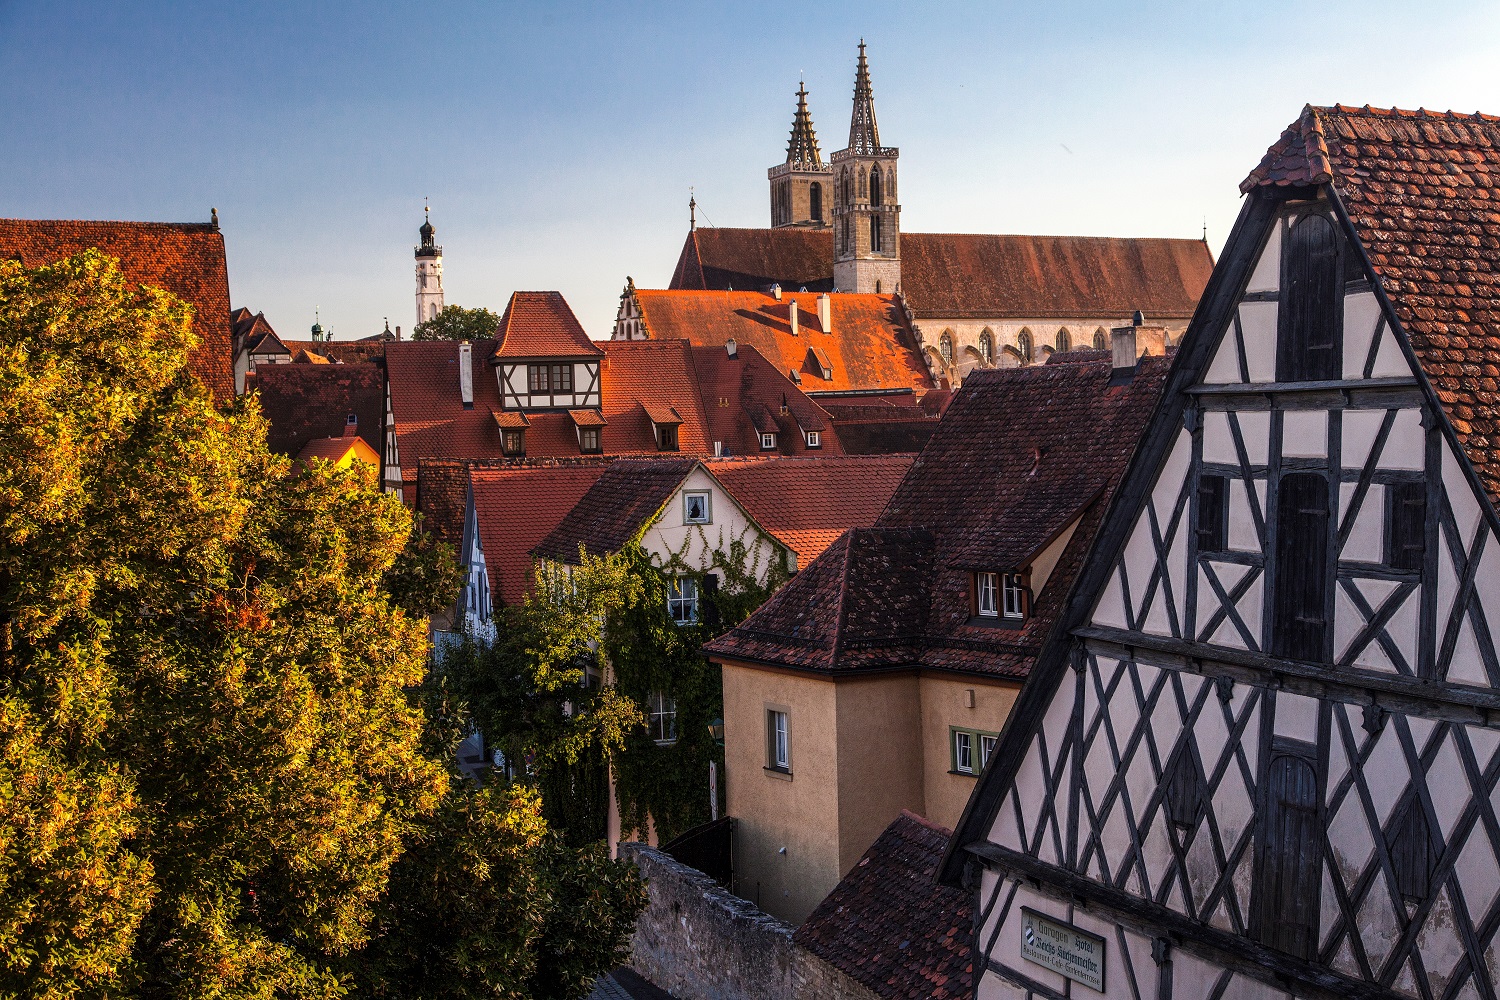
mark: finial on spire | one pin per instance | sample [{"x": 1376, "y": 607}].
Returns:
[
  {"x": 1205, "y": 229},
  {"x": 692, "y": 212},
  {"x": 213, "y": 217},
  {"x": 803, "y": 147},
  {"x": 864, "y": 134}
]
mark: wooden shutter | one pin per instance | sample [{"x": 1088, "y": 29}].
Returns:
[
  {"x": 1288, "y": 884},
  {"x": 709, "y": 600},
  {"x": 1299, "y": 620},
  {"x": 1213, "y": 513},
  {"x": 1406, "y": 526},
  {"x": 1410, "y": 842},
  {"x": 1310, "y": 317},
  {"x": 1184, "y": 792}
]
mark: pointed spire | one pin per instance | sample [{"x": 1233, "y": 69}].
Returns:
[
  {"x": 692, "y": 211},
  {"x": 864, "y": 134},
  {"x": 804, "y": 145}
]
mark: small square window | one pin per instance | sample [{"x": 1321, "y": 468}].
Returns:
[
  {"x": 814, "y": 439},
  {"x": 662, "y": 718},
  {"x": 682, "y": 600},
  {"x": 588, "y": 440},
  {"x": 778, "y": 741},
  {"x": 767, "y": 441},
  {"x": 513, "y": 443},
  {"x": 696, "y": 509},
  {"x": 666, "y": 437},
  {"x": 987, "y": 594}
]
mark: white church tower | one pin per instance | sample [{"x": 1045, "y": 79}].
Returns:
[{"x": 429, "y": 273}]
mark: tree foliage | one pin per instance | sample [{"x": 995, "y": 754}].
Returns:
[
  {"x": 217, "y": 777},
  {"x": 458, "y": 323}
]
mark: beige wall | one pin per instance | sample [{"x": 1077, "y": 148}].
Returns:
[
  {"x": 799, "y": 812},
  {"x": 944, "y": 705},
  {"x": 879, "y": 758}
]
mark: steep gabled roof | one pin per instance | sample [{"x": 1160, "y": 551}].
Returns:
[
  {"x": 1420, "y": 190},
  {"x": 305, "y": 402},
  {"x": 871, "y": 344},
  {"x": 541, "y": 324},
  {"x": 186, "y": 259},
  {"x": 808, "y": 503},
  {"x": 963, "y": 275},
  {"x": 746, "y": 394},
  {"x": 336, "y": 449},
  {"x": 618, "y": 504},
  {"x": 888, "y": 926},
  {"x": 979, "y": 498},
  {"x": 516, "y": 508}
]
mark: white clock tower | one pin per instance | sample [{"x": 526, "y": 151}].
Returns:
[{"x": 429, "y": 273}]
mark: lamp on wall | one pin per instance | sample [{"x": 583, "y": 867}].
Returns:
[{"x": 716, "y": 730}]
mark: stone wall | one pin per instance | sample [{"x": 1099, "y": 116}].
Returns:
[{"x": 699, "y": 942}]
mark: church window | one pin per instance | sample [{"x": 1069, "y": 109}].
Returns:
[
  {"x": 1101, "y": 339},
  {"x": 1213, "y": 513},
  {"x": 1413, "y": 852},
  {"x": 1308, "y": 322},
  {"x": 1405, "y": 525},
  {"x": 1185, "y": 783},
  {"x": 1286, "y": 886},
  {"x": 863, "y": 188},
  {"x": 875, "y": 246},
  {"x": 1064, "y": 340},
  {"x": 1023, "y": 346},
  {"x": 945, "y": 347},
  {"x": 875, "y": 186},
  {"x": 815, "y": 202},
  {"x": 987, "y": 348},
  {"x": 1299, "y": 615}
]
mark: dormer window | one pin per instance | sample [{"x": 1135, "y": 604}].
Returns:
[
  {"x": 814, "y": 439},
  {"x": 1013, "y": 596},
  {"x": 767, "y": 441},
  {"x": 666, "y": 437},
  {"x": 987, "y": 594},
  {"x": 513, "y": 443},
  {"x": 1001, "y": 598},
  {"x": 588, "y": 441}
]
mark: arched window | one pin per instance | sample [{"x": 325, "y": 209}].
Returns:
[
  {"x": 863, "y": 187},
  {"x": 1023, "y": 346},
  {"x": 875, "y": 241},
  {"x": 815, "y": 202},
  {"x": 875, "y": 186},
  {"x": 987, "y": 348},
  {"x": 1064, "y": 340},
  {"x": 1309, "y": 320},
  {"x": 879, "y": 287},
  {"x": 945, "y": 347},
  {"x": 1101, "y": 339}
]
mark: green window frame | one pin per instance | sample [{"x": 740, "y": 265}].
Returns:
[{"x": 970, "y": 750}]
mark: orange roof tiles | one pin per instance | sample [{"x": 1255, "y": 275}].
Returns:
[
  {"x": 808, "y": 503},
  {"x": 302, "y": 402},
  {"x": 870, "y": 346},
  {"x": 186, "y": 259},
  {"x": 540, "y": 324},
  {"x": 339, "y": 450},
  {"x": 516, "y": 508}
]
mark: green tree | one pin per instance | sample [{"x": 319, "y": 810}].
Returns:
[
  {"x": 216, "y": 769},
  {"x": 458, "y": 323}
]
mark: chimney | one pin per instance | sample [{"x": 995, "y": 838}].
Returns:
[
  {"x": 791, "y": 311},
  {"x": 732, "y": 348},
  {"x": 825, "y": 313},
  {"x": 776, "y": 292},
  {"x": 398, "y": 332},
  {"x": 466, "y": 373},
  {"x": 351, "y": 426},
  {"x": 1129, "y": 343}
]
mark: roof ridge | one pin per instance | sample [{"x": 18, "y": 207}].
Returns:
[{"x": 936, "y": 827}]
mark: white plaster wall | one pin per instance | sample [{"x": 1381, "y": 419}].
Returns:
[{"x": 695, "y": 544}]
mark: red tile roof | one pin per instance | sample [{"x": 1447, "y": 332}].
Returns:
[
  {"x": 808, "y": 503},
  {"x": 1421, "y": 190},
  {"x": 186, "y": 259},
  {"x": 958, "y": 275},
  {"x": 618, "y": 504},
  {"x": 890, "y": 926},
  {"x": 540, "y": 324},
  {"x": 747, "y": 394},
  {"x": 898, "y": 594},
  {"x": 441, "y": 495},
  {"x": 305, "y": 402},
  {"x": 870, "y": 346},
  {"x": 334, "y": 449},
  {"x": 516, "y": 508}
]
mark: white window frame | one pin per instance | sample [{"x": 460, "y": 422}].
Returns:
[
  {"x": 687, "y": 507},
  {"x": 814, "y": 439},
  {"x": 963, "y": 751},
  {"x": 682, "y": 600},
  {"x": 778, "y": 741},
  {"x": 767, "y": 441},
  {"x": 1013, "y": 596},
  {"x": 987, "y": 744},
  {"x": 661, "y": 721},
  {"x": 987, "y": 594}
]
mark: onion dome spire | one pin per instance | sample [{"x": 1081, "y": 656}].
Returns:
[
  {"x": 864, "y": 134},
  {"x": 429, "y": 247},
  {"x": 804, "y": 145}
]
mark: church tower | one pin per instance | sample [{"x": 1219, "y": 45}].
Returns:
[
  {"x": 800, "y": 187},
  {"x": 866, "y": 217},
  {"x": 429, "y": 273}
]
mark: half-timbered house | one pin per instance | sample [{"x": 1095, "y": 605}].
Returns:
[{"x": 1259, "y": 757}]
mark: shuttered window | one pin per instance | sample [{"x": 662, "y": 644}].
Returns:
[
  {"x": 1287, "y": 883},
  {"x": 1184, "y": 789},
  {"x": 1299, "y": 620},
  {"x": 1213, "y": 513},
  {"x": 1413, "y": 851},
  {"x": 1310, "y": 317},
  {"x": 1406, "y": 525}
]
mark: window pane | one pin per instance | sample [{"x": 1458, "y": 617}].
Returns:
[
  {"x": 1015, "y": 596},
  {"x": 986, "y": 747},
  {"x": 963, "y": 752}
]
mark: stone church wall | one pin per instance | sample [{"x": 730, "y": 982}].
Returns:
[{"x": 1005, "y": 336}]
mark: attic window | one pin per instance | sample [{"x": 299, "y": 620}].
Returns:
[
  {"x": 1013, "y": 596},
  {"x": 696, "y": 509},
  {"x": 588, "y": 441},
  {"x": 513, "y": 442},
  {"x": 794, "y": 375},
  {"x": 352, "y": 420},
  {"x": 767, "y": 441},
  {"x": 814, "y": 439},
  {"x": 666, "y": 437},
  {"x": 987, "y": 594}
]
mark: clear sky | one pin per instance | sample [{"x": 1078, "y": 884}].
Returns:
[{"x": 558, "y": 142}]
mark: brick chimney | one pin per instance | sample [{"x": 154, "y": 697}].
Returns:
[
  {"x": 791, "y": 312},
  {"x": 351, "y": 426},
  {"x": 466, "y": 374},
  {"x": 1130, "y": 343},
  {"x": 825, "y": 312}
]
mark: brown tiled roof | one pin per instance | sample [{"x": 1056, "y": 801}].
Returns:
[
  {"x": 510, "y": 418},
  {"x": 880, "y": 427},
  {"x": 340, "y": 352},
  {"x": 961, "y": 275},
  {"x": 186, "y": 259},
  {"x": 890, "y": 926},
  {"x": 808, "y": 503},
  {"x": 745, "y": 394},
  {"x": 305, "y": 402},
  {"x": 441, "y": 494},
  {"x": 1070, "y": 437},
  {"x": 619, "y": 503},
  {"x": 871, "y": 345},
  {"x": 588, "y": 418},
  {"x": 540, "y": 324},
  {"x": 516, "y": 508},
  {"x": 1421, "y": 189},
  {"x": 431, "y": 421}
]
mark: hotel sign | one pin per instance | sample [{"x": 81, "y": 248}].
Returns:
[{"x": 1063, "y": 948}]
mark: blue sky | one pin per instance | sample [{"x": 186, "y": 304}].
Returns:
[{"x": 558, "y": 142}]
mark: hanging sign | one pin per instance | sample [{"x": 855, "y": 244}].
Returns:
[{"x": 1063, "y": 948}]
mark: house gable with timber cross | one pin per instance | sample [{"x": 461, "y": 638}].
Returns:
[{"x": 1260, "y": 757}]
